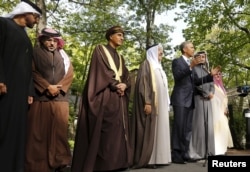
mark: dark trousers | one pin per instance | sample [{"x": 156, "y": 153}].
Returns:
[{"x": 181, "y": 132}]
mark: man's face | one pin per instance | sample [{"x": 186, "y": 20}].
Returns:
[
  {"x": 189, "y": 50},
  {"x": 50, "y": 44},
  {"x": 160, "y": 53},
  {"x": 201, "y": 58},
  {"x": 116, "y": 39},
  {"x": 32, "y": 19},
  {"x": 218, "y": 76}
]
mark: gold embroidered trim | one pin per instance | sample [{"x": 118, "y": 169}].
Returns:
[{"x": 112, "y": 64}]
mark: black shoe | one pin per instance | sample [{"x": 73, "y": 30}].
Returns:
[
  {"x": 192, "y": 160},
  {"x": 151, "y": 166},
  {"x": 163, "y": 165},
  {"x": 120, "y": 169},
  {"x": 178, "y": 161}
]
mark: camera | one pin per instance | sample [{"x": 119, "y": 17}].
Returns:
[{"x": 243, "y": 90}]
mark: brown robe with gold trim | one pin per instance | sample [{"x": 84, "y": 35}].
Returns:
[
  {"x": 47, "y": 145},
  {"x": 101, "y": 141}
]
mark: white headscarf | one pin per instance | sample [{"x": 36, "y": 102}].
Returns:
[
  {"x": 22, "y": 8},
  {"x": 65, "y": 60},
  {"x": 152, "y": 56}
]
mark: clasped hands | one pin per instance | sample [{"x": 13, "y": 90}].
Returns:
[
  {"x": 53, "y": 90},
  {"x": 121, "y": 87}
]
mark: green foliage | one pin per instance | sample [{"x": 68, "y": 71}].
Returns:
[
  {"x": 239, "y": 127},
  {"x": 237, "y": 121},
  {"x": 221, "y": 28},
  {"x": 83, "y": 25},
  {"x": 71, "y": 144},
  {"x": 7, "y": 5}
]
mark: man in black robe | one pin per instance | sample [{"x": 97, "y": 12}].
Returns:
[
  {"x": 101, "y": 142},
  {"x": 15, "y": 80}
]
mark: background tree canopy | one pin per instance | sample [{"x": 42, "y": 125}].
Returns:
[{"x": 219, "y": 27}]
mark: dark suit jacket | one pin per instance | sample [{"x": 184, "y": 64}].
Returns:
[{"x": 182, "y": 94}]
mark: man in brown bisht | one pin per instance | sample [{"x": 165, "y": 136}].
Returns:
[
  {"x": 47, "y": 147},
  {"x": 150, "y": 128},
  {"x": 101, "y": 142}
]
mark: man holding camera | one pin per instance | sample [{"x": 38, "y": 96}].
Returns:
[{"x": 182, "y": 100}]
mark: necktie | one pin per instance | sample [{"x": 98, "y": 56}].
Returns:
[{"x": 188, "y": 61}]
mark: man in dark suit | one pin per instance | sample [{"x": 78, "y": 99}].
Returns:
[{"x": 182, "y": 100}]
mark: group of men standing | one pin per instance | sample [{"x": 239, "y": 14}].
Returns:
[
  {"x": 191, "y": 92},
  {"x": 34, "y": 109},
  {"x": 34, "y": 87}
]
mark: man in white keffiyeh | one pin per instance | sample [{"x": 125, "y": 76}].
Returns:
[
  {"x": 52, "y": 76},
  {"x": 150, "y": 120},
  {"x": 15, "y": 82},
  {"x": 25, "y": 6}
]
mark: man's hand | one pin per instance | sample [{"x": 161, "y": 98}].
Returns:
[
  {"x": 210, "y": 96},
  {"x": 54, "y": 90},
  {"x": 121, "y": 87},
  {"x": 30, "y": 100},
  {"x": 147, "y": 109},
  {"x": 3, "y": 88},
  {"x": 195, "y": 61}
]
